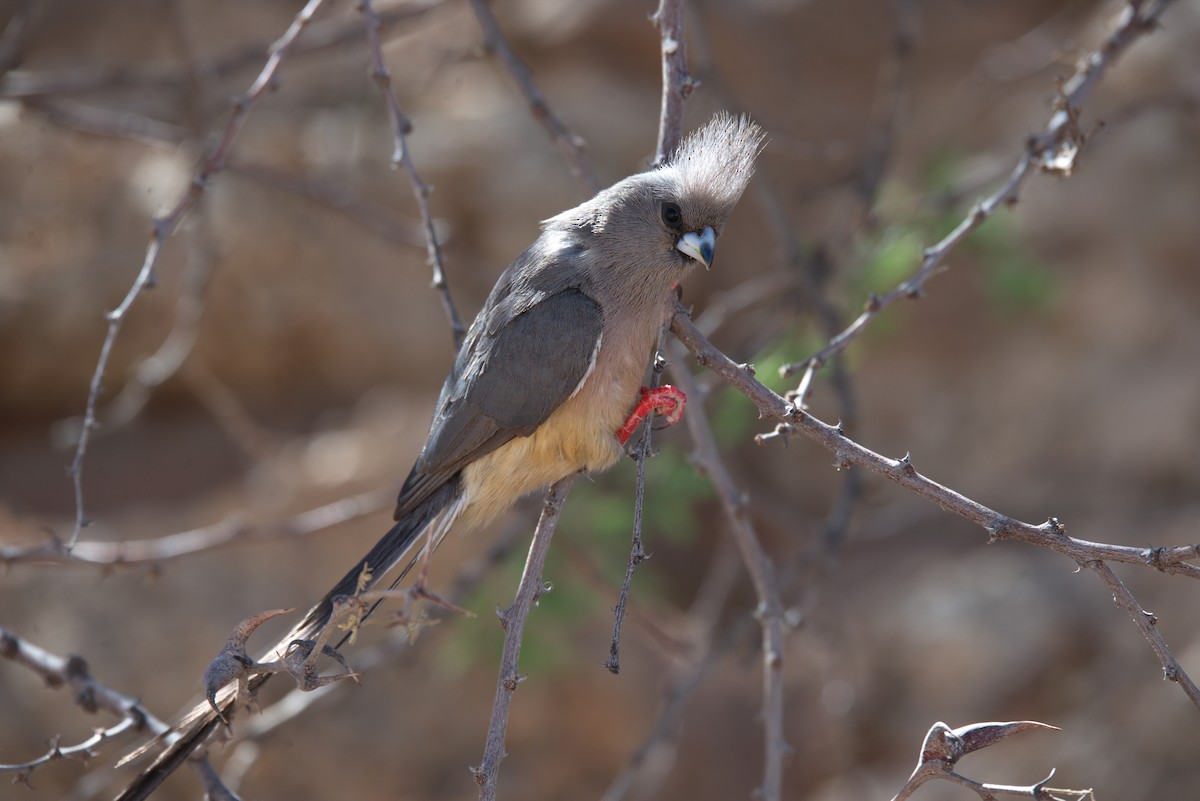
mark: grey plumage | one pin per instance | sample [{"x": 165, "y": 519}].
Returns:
[{"x": 551, "y": 365}]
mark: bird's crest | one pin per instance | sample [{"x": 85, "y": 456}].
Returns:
[{"x": 718, "y": 159}]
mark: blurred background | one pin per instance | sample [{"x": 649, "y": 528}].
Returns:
[{"x": 291, "y": 351}]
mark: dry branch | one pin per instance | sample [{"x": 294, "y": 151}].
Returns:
[
  {"x": 319, "y": 37},
  {"x": 90, "y": 694},
  {"x": 155, "y": 551},
  {"x": 401, "y": 126},
  {"x": 943, "y": 747},
  {"x": 1050, "y": 535},
  {"x": 1055, "y": 149},
  {"x": 678, "y": 85},
  {"x": 570, "y": 143},
  {"x": 512, "y": 620},
  {"x": 164, "y": 226}
]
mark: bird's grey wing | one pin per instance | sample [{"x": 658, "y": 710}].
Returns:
[{"x": 505, "y": 384}]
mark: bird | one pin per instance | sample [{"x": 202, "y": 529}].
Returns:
[{"x": 546, "y": 381}]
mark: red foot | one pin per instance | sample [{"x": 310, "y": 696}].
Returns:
[{"x": 665, "y": 400}]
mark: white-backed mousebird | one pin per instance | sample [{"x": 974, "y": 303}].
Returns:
[{"x": 546, "y": 378}]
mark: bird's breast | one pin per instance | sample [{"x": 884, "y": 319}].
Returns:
[{"x": 579, "y": 435}]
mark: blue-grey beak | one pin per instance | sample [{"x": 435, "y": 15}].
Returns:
[{"x": 699, "y": 246}]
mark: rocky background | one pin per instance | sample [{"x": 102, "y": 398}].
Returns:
[{"x": 1051, "y": 370}]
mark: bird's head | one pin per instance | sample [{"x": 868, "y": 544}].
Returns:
[{"x": 655, "y": 226}]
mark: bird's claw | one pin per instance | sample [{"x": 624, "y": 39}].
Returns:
[{"x": 666, "y": 400}]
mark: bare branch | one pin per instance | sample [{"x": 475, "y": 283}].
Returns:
[
  {"x": 98, "y": 121},
  {"x": 90, "y": 694},
  {"x": 678, "y": 85},
  {"x": 153, "y": 370},
  {"x": 319, "y": 37},
  {"x": 512, "y": 620},
  {"x": 151, "y": 552},
  {"x": 1055, "y": 150},
  {"x": 943, "y": 747},
  {"x": 401, "y": 126},
  {"x": 214, "y": 788},
  {"x": 1050, "y": 535},
  {"x": 164, "y": 227},
  {"x": 569, "y": 143},
  {"x": 386, "y": 224}
]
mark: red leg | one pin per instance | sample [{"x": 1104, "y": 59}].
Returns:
[{"x": 665, "y": 400}]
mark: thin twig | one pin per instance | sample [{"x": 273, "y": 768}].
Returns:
[
  {"x": 104, "y": 122},
  {"x": 512, "y": 620},
  {"x": 1050, "y": 535},
  {"x": 319, "y": 37},
  {"x": 637, "y": 552},
  {"x": 164, "y": 226},
  {"x": 568, "y": 142},
  {"x": 90, "y": 694},
  {"x": 387, "y": 224},
  {"x": 1055, "y": 149},
  {"x": 155, "y": 551},
  {"x": 214, "y": 788},
  {"x": 401, "y": 127},
  {"x": 152, "y": 371},
  {"x": 1146, "y": 621}
]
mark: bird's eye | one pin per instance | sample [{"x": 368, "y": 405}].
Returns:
[{"x": 671, "y": 215}]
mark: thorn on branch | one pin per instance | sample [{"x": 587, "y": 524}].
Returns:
[
  {"x": 512, "y": 681},
  {"x": 782, "y": 432}
]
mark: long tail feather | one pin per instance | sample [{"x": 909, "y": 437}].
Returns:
[{"x": 434, "y": 515}]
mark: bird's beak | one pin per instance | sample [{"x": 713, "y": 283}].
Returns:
[{"x": 698, "y": 246}]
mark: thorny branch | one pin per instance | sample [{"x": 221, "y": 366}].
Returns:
[
  {"x": 164, "y": 226},
  {"x": 943, "y": 747},
  {"x": 678, "y": 85},
  {"x": 668, "y": 19},
  {"x": 1050, "y": 535},
  {"x": 637, "y": 550},
  {"x": 90, "y": 694},
  {"x": 570, "y": 143},
  {"x": 401, "y": 126},
  {"x": 155, "y": 369},
  {"x": 297, "y": 701},
  {"x": 1051, "y": 157},
  {"x": 319, "y": 37},
  {"x": 1055, "y": 149},
  {"x": 512, "y": 620}
]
